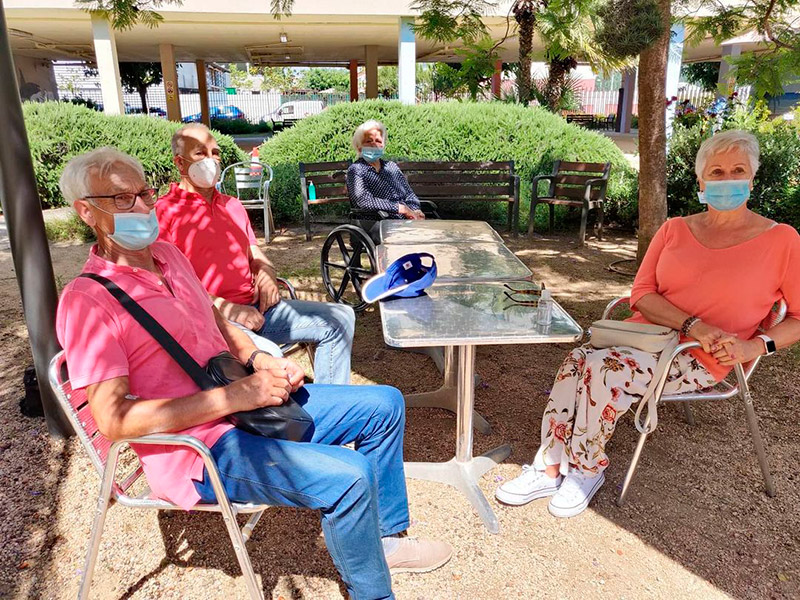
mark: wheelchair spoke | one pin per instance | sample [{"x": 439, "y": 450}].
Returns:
[
  {"x": 337, "y": 266},
  {"x": 343, "y": 286},
  {"x": 342, "y": 248}
]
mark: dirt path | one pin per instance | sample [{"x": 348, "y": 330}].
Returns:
[{"x": 697, "y": 524}]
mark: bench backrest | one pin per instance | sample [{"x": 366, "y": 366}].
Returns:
[
  {"x": 430, "y": 180},
  {"x": 440, "y": 181},
  {"x": 569, "y": 179},
  {"x": 329, "y": 179}
]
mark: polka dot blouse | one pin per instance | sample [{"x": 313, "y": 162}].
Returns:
[{"x": 379, "y": 190}]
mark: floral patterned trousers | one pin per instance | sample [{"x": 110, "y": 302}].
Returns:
[{"x": 593, "y": 389}]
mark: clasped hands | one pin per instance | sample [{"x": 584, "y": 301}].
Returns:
[
  {"x": 727, "y": 348},
  {"x": 267, "y": 295},
  {"x": 410, "y": 213},
  {"x": 273, "y": 380}
]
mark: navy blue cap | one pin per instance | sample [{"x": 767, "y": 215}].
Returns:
[{"x": 407, "y": 277}]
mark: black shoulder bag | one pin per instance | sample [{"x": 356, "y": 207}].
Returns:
[{"x": 289, "y": 421}]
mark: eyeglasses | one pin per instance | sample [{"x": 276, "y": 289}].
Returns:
[
  {"x": 127, "y": 200},
  {"x": 522, "y": 296}
]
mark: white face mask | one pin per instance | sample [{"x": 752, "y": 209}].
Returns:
[{"x": 204, "y": 173}]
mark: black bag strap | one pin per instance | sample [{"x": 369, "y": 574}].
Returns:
[{"x": 154, "y": 328}]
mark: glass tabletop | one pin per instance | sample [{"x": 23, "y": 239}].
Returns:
[
  {"x": 457, "y": 314},
  {"x": 462, "y": 262},
  {"x": 449, "y": 231}
]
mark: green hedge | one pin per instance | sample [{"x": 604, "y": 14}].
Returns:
[
  {"x": 57, "y": 131},
  {"x": 456, "y": 131},
  {"x": 776, "y": 189}
]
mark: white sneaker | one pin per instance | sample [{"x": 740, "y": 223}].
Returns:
[
  {"x": 532, "y": 484},
  {"x": 575, "y": 494}
]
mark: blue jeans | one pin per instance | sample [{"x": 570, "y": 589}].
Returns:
[
  {"x": 330, "y": 326},
  {"x": 360, "y": 493}
]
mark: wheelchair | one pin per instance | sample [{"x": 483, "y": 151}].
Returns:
[{"x": 349, "y": 255}]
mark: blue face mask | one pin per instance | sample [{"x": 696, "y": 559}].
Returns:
[
  {"x": 371, "y": 154},
  {"x": 729, "y": 194},
  {"x": 135, "y": 231}
]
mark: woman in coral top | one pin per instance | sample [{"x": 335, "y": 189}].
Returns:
[{"x": 713, "y": 276}]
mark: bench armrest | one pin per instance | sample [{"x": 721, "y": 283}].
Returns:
[{"x": 535, "y": 183}]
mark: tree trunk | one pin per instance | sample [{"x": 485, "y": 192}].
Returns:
[
  {"x": 557, "y": 76},
  {"x": 526, "y": 23},
  {"x": 143, "y": 95},
  {"x": 653, "y": 135}
]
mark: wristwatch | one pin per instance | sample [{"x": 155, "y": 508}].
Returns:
[
  {"x": 249, "y": 363},
  {"x": 769, "y": 343}
]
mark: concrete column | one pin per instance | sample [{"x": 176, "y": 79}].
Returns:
[
  {"x": 371, "y": 59},
  {"x": 407, "y": 62},
  {"x": 726, "y": 83},
  {"x": 353, "y": 80},
  {"x": 170, "y": 72},
  {"x": 496, "y": 79},
  {"x": 674, "y": 60},
  {"x": 625, "y": 116},
  {"x": 105, "y": 52},
  {"x": 202, "y": 88}
]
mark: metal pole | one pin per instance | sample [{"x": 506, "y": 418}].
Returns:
[
  {"x": 29, "y": 249},
  {"x": 466, "y": 403}
]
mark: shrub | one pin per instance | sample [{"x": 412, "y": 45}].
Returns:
[
  {"x": 776, "y": 189},
  {"x": 532, "y": 137},
  {"x": 57, "y": 131},
  {"x": 240, "y": 126}
]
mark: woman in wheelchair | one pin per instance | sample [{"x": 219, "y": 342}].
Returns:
[
  {"x": 713, "y": 276},
  {"x": 377, "y": 187}
]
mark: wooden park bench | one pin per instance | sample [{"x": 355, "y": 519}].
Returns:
[
  {"x": 587, "y": 121},
  {"x": 434, "y": 181},
  {"x": 573, "y": 184}
]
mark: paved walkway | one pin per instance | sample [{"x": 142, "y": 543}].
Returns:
[{"x": 51, "y": 214}]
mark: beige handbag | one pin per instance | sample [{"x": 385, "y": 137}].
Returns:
[{"x": 654, "y": 339}]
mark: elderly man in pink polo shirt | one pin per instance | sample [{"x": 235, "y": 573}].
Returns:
[
  {"x": 134, "y": 388},
  {"x": 214, "y": 232}
]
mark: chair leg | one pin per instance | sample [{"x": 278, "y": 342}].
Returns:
[
  {"x": 584, "y": 219},
  {"x": 532, "y": 218},
  {"x": 248, "y": 528},
  {"x": 632, "y": 468},
  {"x": 266, "y": 222},
  {"x": 687, "y": 411},
  {"x": 103, "y": 502},
  {"x": 755, "y": 432},
  {"x": 600, "y": 217}
]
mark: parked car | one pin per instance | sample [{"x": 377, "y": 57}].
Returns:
[
  {"x": 290, "y": 112},
  {"x": 227, "y": 112}
]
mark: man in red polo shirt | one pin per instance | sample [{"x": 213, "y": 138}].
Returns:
[{"x": 214, "y": 232}]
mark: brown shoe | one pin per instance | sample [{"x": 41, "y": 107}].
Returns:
[{"x": 418, "y": 556}]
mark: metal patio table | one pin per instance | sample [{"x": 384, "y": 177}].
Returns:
[
  {"x": 461, "y": 316},
  {"x": 437, "y": 231},
  {"x": 476, "y": 261}
]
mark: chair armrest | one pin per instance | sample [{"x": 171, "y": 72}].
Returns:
[
  {"x": 168, "y": 439},
  {"x": 288, "y": 287},
  {"x": 614, "y": 304}
]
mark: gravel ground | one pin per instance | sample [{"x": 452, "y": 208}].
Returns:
[{"x": 697, "y": 523}]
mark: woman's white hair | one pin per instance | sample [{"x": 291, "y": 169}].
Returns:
[
  {"x": 361, "y": 131},
  {"x": 723, "y": 142},
  {"x": 74, "y": 181}
]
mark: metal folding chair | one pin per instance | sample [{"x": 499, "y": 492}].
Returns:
[
  {"x": 104, "y": 455},
  {"x": 722, "y": 391},
  {"x": 251, "y": 175}
]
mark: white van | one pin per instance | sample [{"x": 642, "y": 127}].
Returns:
[{"x": 289, "y": 112}]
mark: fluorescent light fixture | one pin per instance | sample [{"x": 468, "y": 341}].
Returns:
[{"x": 284, "y": 38}]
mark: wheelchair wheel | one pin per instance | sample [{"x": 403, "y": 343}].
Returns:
[{"x": 348, "y": 260}]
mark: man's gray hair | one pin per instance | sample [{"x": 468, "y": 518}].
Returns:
[
  {"x": 725, "y": 141},
  {"x": 361, "y": 131},
  {"x": 74, "y": 181},
  {"x": 179, "y": 138}
]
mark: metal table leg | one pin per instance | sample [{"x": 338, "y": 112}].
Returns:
[
  {"x": 463, "y": 471},
  {"x": 446, "y": 397}
]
